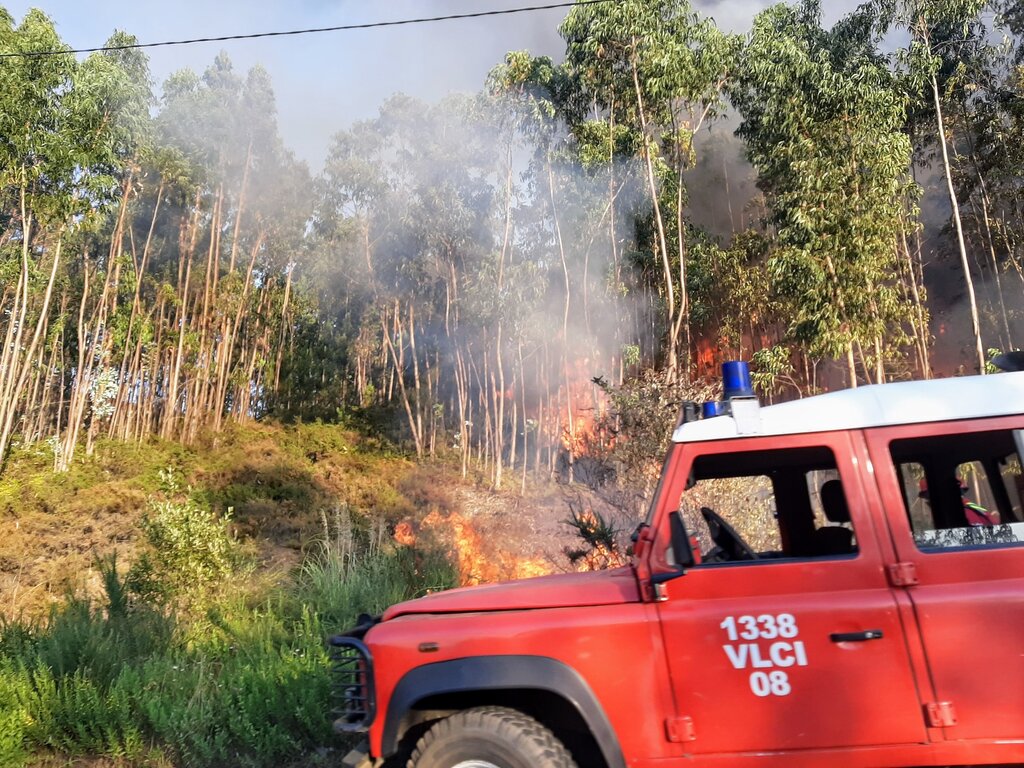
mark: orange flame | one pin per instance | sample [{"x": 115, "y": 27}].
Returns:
[
  {"x": 589, "y": 403},
  {"x": 706, "y": 358},
  {"x": 404, "y": 534},
  {"x": 480, "y": 561}
]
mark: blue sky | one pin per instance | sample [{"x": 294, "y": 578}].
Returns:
[{"x": 324, "y": 82}]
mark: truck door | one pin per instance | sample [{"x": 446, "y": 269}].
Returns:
[
  {"x": 786, "y": 636},
  {"x": 952, "y": 496}
]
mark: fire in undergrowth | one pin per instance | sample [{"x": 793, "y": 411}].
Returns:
[
  {"x": 581, "y": 412},
  {"x": 480, "y": 559}
]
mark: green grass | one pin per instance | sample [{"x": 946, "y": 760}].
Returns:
[
  {"x": 188, "y": 653},
  {"x": 179, "y": 669},
  {"x": 244, "y": 682}
]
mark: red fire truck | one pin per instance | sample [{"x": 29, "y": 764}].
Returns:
[{"x": 793, "y": 599}]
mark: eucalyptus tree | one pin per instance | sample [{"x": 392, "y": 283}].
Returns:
[
  {"x": 446, "y": 172},
  {"x": 407, "y": 201},
  {"x": 106, "y": 269},
  {"x": 352, "y": 213},
  {"x": 823, "y": 118},
  {"x": 735, "y": 309},
  {"x": 63, "y": 140},
  {"x": 998, "y": 116},
  {"x": 660, "y": 69},
  {"x": 980, "y": 82},
  {"x": 248, "y": 204},
  {"x": 924, "y": 60},
  {"x": 535, "y": 94}
]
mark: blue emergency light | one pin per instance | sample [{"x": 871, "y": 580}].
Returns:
[
  {"x": 738, "y": 399},
  {"x": 736, "y": 380},
  {"x": 712, "y": 408},
  {"x": 736, "y": 385}
]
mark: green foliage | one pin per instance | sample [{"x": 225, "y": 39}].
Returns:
[
  {"x": 232, "y": 670},
  {"x": 196, "y": 236},
  {"x": 190, "y": 547},
  {"x": 245, "y": 683},
  {"x": 348, "y": 572},
  {"x": 252, "y": 690},
  {"x": 657, "y": 72},
  {"x": 15, "y": 718},
  {"x": 679, "y": 56},
  {"x": 732, "y": 294},
  {"x": 772, "y": 370},
  {"x": 631, "y": 354},
  {"x": 991, "y": 355},
  {"x": 598, "y": 537},
  {"x": 643, "y": 412},
  {"x": 824, "y": 119}
]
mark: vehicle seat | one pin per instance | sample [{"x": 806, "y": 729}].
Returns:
[{"x": 834, "y": 539}]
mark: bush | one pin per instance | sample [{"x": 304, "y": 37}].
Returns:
[
  {"x": 15, "y": 718},
  {"x": 61, "y": 676},
  {"x": 189, "y": 548},
  {"x": 256, "y": 705},
  {"x": 599, "y": 547},
  {"x": 75, "y": 714}
]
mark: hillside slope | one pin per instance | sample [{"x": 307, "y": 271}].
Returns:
[
  {"x": 167, "y": 606},
  {"x": 283, "y": 485}
]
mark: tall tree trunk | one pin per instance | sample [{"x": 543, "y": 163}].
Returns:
[
  {"x": 955, "y": 205},
  {"x": 398, "y": 362},
  {"x": 19, "y": 373},
  {"x": 673, "y": 341},
  {"x": 570, "y": 422}
]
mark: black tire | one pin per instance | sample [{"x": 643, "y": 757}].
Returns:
[{"x": 498, "y": 736}]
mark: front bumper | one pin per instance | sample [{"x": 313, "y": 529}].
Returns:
[{"x": 352, "y": 690}]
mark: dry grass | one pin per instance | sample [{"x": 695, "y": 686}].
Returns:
[
  {"x": 156, "y": 760},
  {"x": 276, "y": 480}
]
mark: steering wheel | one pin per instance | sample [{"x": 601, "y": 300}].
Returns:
[{"x": 726, "y": 538}]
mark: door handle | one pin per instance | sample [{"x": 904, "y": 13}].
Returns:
[{"x": 856, "y": 637}]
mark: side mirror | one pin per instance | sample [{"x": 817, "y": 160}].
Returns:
[{"x": 682, "y": 551}]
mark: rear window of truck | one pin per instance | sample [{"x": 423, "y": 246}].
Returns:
[{"x": 963, "y": 490}]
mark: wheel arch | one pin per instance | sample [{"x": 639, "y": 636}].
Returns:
[{"x": 544, "y": 688}]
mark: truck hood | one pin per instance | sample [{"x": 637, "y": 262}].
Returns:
[{"x": 566, "y": 590}]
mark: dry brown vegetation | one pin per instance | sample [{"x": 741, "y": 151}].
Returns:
[{"x": 280, "y": 484}]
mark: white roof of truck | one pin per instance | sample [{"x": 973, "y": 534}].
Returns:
[{"x": 879, "y": 405}]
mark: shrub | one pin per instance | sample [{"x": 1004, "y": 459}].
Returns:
[
  {"x": 599, "y": 540},
  {"x": 75, "y": 714},
  {"x": 189, "y": 548},
  {"x": 15, "y": 719}
]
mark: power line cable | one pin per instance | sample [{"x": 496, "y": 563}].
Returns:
[{"x": 293, "y": 32}]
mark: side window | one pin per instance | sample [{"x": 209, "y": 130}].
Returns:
[
  {"x": 766, "y": 506},
  {"x": 962, "y": 491}
]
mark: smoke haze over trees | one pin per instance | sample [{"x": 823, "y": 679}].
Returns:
[{"x": 489, "y": 267}]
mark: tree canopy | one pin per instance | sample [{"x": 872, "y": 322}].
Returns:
[{"x": 477, "y": 274}]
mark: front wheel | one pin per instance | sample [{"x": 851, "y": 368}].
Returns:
[{"x": 490, "y": 737}]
